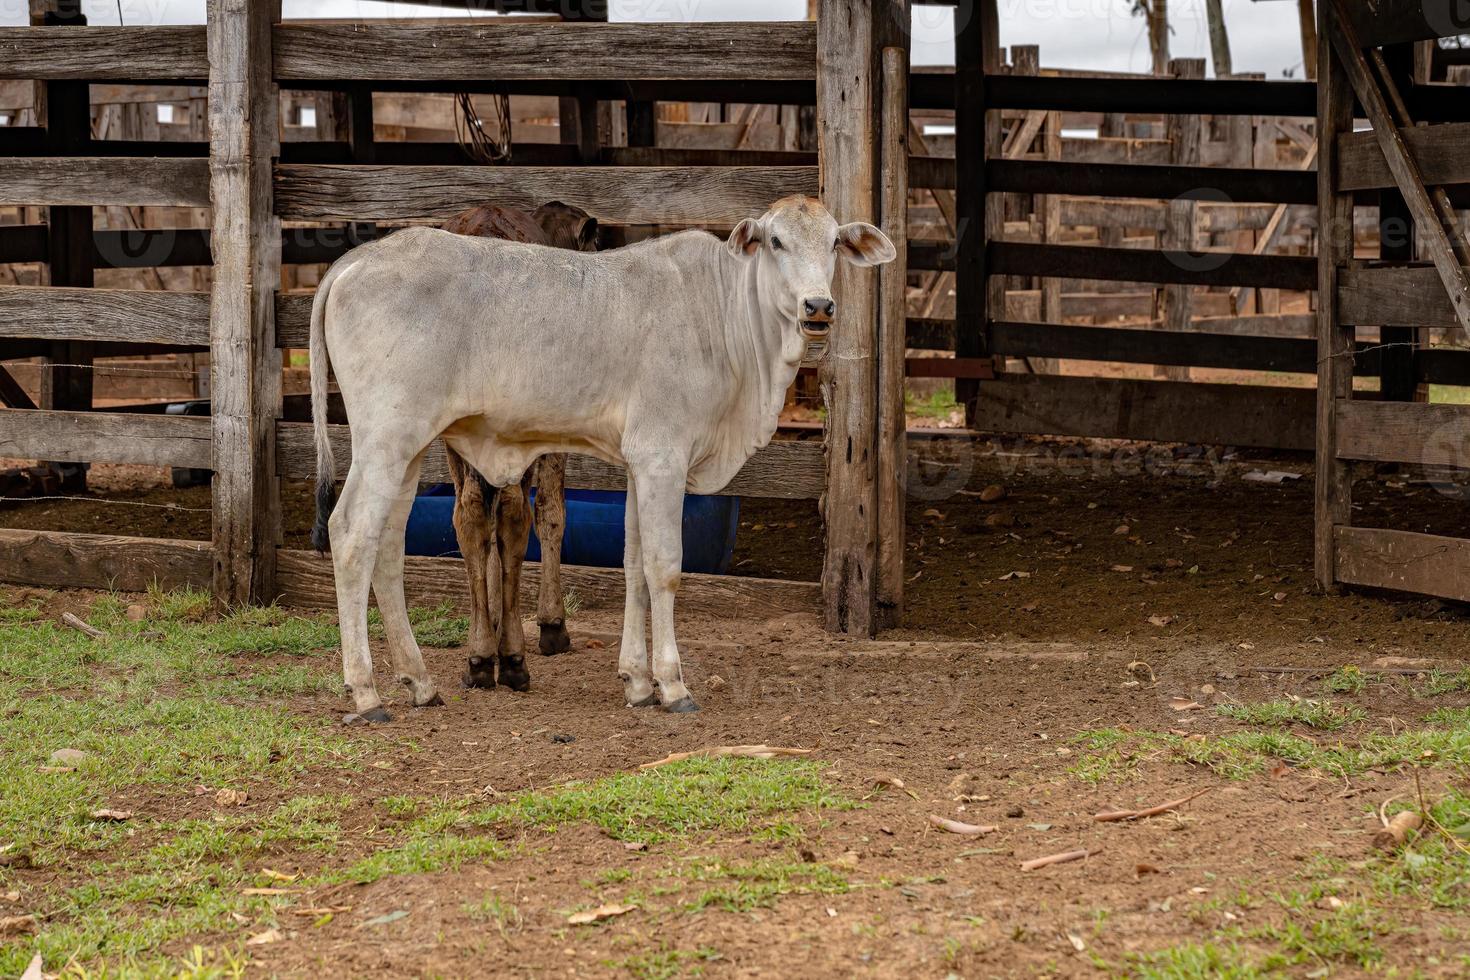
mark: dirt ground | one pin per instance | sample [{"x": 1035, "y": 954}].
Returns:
[{"x": 1075, "y": 646}]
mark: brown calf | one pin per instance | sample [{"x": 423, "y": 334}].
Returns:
[{"x": 493, "y": 525}]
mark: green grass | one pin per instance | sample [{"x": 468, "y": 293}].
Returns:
[
  {"x": 939, "y": 405},
  {"x": 744, "y": 886},
  {"x": 1197, "y": 961},
  {"x": 493, "y": 908},
  {"x": 665, "y": 964},
  {"x": 680, "y": 800},
  {"x": 1108, "y": 753},
  {"x": 1321, "y": 715},
  {"x": 1431, "y": 868},
  {"x": 1449, "y": 717},
  {"x": 1346, "y": 680},
  {"x": 1441, "y": 682}
]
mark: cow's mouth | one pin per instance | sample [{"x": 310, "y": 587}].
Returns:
[{"x": 816, "y": 329}]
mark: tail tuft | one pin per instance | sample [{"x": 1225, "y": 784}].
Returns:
[{"x": 326, "y": 499}]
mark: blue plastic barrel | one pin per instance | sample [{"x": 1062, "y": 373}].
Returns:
[{"x": 594, "y": 529}]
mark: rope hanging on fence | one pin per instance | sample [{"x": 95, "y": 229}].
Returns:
[{"x": 474, "y": 139}]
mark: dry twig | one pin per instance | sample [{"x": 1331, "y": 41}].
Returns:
[
  {"x": 738, "y": 751},
  {"x": 1110, "y": 816},
  {"x": 1061, "y": 858}
]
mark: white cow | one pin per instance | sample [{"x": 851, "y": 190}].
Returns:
[{"x": 670, "y": 357}]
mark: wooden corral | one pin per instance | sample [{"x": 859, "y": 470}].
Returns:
[{"x": 179, "y": 249}]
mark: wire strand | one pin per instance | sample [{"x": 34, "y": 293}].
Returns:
[{"x": 105, "y": 500}]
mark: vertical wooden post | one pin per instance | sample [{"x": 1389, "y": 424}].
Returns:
[
  {"x": 1219, "y": 39},
  {"x": 1181, "y": 227},
  {"x": 847, "y": 140},
  {"x": 977, "y": 136},
  {"x": 245, "y": 367},
  {"x": 892, "y": 335},
  {"x": 1307, "y": 24},
  {"x": 64, "y": 108},
  {"x": 1333, "y": 499},
  {"x": 1396, "y": 239}
]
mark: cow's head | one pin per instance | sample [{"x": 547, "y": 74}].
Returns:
[
  {"x": 798, "y": 243},
  {"x": 566, "y": 226}
]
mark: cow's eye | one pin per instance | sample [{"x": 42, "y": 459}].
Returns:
[
  {"x": 775, "y": 243},
  {"x": 836, "y": 244}
]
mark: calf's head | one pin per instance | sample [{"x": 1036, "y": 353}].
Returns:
[{"x": 797, "y": 244}]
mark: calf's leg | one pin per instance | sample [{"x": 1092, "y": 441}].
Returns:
[
  {"x": 551, "y": 520},
  {"x": 474, "y": 528},
  {"x": 633, "y": 651},
  {"x": 408, "y": 660},
  {"x": 356, "y": 529},
  {"x": 660, "y": 519},
  {"x": 512, "y": 531}
]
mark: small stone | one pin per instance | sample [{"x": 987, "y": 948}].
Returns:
[
  {"x": 999, "y": 520},
  {"x": 564, "y": 739},
  {"x": 136, "y": 613},
  {"x": 715, "y": 682},
  {"x": 992, "y": 493},
  {"x": 1207, "y": 689},
  {"x": 67, "y": 757},
  {"x": 1014, "y": 811}
]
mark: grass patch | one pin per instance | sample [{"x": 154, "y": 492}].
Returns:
[
  {"x": 1449, "y": 717},
  {"x": 665, "y": 964},
  {"x": 1197, "y": 961},
  {"x": 1236, "y": 755},
  {"x": 939, "y": 405},
  {"x": 1442, "y": 682},
  {"x": 1345, "y": 680},
  {"x": 677, "y": 801},
  {"x": 748, "y": 885},
  {"x": 1431, "y": 868},
  {"x": 1321, "y": 715}
]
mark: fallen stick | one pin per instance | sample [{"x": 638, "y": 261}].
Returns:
[
  {"x": 1112, "y": 815},
  {"x": 1395, "y": 834},
  {"x": 77, "y": 623},
  {"x": 1062, "y": 858},
  {"x": 738, "y": 751},
  {"x": 958, "y": 827}
]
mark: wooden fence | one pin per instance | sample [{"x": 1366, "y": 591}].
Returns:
[{"x": 252, "y": 183}]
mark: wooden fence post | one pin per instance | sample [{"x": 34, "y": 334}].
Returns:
[
  {"x": 892, "y": 334},
  {"x": 1181, "y": 227},
  {"x": 848, "y": 159},
  {"x": 1334, "y": 487},
  {"x": 978, "y": 300},
  {"x": 245, "y": 367}
]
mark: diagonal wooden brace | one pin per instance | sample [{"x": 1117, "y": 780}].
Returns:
[{"x": 1402, "y": 165}]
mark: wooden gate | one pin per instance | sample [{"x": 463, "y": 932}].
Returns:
[{"x": 1413, "y": 153}]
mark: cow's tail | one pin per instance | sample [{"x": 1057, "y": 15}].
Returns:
[{"x": 326, "y": 465}]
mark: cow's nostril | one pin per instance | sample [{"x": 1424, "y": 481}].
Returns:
[
  {"x": 810, "y": 307},
  {"x": 831, "y": 308}
]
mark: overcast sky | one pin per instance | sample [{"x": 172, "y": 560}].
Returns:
[{"x": 1097, "y": 34}]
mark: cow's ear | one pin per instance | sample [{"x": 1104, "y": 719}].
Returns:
[
  {"x": 587, "y": 235},
  {"x": 745, "y": 239},
  {"x": 862, "y": 244}
]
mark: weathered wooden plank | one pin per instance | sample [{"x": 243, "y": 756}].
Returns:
[
  {"x": 1148, "y": 265},
  {"x": 1156, "y": 411},
  {"x": 785, "y": 469},
  {"x": 1190, "y": 348},
  {"x": 515, "y": 49},
  {"x": 1368, "y": 296},
  {"x": 103, "y": 181},
  {"x": 1181, "y": 228},
  {"x": 1151, "y": 181},
  {"x": 132, "y": 315},
  {"x": 1403, "y": 432},
  {"x": 165, "y": 53},
  {"x": 64, "y": 560},
  {"x": 245, "y": 236},
  {"x": 847, "y": 144},
  {"x": 892, "y": 442},
  {"x": 105, "y": 437},
  {"x": 1442, "y": 152},
  {"x": 1427, "y": 564},
  {"x": 640, "y": 195},
  {"x": 1219, "y": 97},
  {"x": 306, "y": 580}
]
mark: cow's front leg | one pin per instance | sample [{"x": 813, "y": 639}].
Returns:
[
  {"x": 512, "y": 531},
  {"x": 551, "y": 520},
  {"x": 474, "y": 528},
  {"x": 633, "y": 651},
  {"x": 660, "y": 519}
]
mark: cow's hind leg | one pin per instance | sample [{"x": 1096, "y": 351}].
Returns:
[
  {"x": 512, "y": 531},
  {"x": 356, "y": 529},
  {"x": 408, "y": 660},
  {"x": 551, "y": 520},
  {"x": 660, "y": 519},
  {"x": 633, "y": 651},
  {"x": 474, "y": 527}
]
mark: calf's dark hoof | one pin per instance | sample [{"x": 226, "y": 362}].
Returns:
[
  {"x": 376, "y": 715},
  {"x": 435, "y": 702},
  {"x": 683, "y": 706},
  {"x": 481, "y": 672},
  {"x": 514, "y": 675},
  {"x": 649, "y": 702},
  {"x": 554, "y": 639}
]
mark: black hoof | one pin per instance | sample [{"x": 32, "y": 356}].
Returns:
[
  {"x": 481, "y": 672},
  {"x": 514, "y": 675},
  {"x": 435, "y": 702},
  {"x": 683, "y": 706},
  {"x": 554, "y": 639},
  {"x": 374, "y": 715},
  {"x": 649, "y": 702}
]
